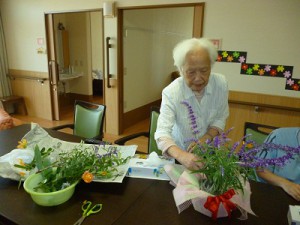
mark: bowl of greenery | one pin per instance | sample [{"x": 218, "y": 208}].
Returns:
[
  {"x": 47, "y": 198},
  {"x": 53, "y": 182}
]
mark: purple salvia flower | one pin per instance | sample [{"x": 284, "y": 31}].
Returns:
[
  {"x": 217, "y": 142},
  {"x": 234, "y": 147},
  {"x": 191, "y": 140},
  {"x": 192, "y": 117}
]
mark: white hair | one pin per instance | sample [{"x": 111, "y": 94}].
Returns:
[{"x": 184, "y": 47}]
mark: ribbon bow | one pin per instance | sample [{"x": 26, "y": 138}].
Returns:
[{"x": 213, "y": 202}]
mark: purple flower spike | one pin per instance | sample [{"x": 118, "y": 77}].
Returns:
[{"x": 192, "y": 117}]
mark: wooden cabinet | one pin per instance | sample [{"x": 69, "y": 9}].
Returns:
[{"x": 263, "y": 109}]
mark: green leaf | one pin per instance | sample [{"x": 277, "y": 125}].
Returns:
[{"x": 38, "y": 158}]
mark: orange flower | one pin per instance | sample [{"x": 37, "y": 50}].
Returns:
[
  {"x": 250, "y": 145},
  {"x": 87, "y": 177},
  {"x": 22, "y": 144}
]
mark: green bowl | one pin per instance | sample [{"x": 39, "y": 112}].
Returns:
[{"x": 49, "y": 198}]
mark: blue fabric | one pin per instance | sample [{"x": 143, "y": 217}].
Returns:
[{"x": 286, "y": 137}]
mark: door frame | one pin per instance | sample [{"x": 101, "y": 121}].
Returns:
[
  {"x": 197, "y": 32},
  {"x": 53, "y": 72},
  {"x": 52, "y": 66}
]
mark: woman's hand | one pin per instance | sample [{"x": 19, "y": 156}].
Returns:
[
  {"x": 289, "y": 187},
  {"x": 204, "y": 139},
  {"x": 190, "y": 161},
  {"x": 187, "y": 159},
  {"x": 191, "y": 147},
  {"x": 292, "y": 189}
]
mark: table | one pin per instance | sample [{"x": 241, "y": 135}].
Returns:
[{"x": 133, "y": 202}]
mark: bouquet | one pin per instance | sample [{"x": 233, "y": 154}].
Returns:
[{"x": 82, "y": 162}]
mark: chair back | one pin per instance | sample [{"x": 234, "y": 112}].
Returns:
[
  {"x": 258, "y": 132},
  {"x": 89, "y": 119},
  {"x": 152, "y": 146}
]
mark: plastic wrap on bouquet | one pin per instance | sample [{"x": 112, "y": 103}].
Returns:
[
  {"x": 187, "y": 192},
  {"x": 37, "y": 136}
]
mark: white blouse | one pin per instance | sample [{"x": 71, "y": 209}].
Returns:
[{"x": 210, "y": 108}]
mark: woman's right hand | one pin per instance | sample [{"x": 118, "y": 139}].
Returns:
[
  {"x": 187, "y": 159},
  {"x": 190, "y": 161}
]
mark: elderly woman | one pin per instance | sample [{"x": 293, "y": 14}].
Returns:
[{"x": 205, "y": 92}]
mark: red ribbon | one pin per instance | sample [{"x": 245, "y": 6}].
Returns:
[{"x": 213, "y": 203}]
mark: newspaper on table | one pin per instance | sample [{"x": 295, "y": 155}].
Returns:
[{"x": 38, "y": 136}]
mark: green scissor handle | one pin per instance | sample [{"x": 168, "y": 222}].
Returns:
[{"x": 87, "y": 210}]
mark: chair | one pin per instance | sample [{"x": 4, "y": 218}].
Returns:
[
  {"x": 17, "y": 102},
  {"x": 88, "y": 120},
  {"x": 259, "y": 131},
  {"x": 152, "y": 146}
]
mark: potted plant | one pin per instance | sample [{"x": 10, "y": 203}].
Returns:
[{"x": 221, "y": 185}]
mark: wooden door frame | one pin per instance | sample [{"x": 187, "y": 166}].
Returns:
[
  {"x": 197, "y": 32},
  {"x": 52, "y": 66},
  {"x": 50, "y": 41}
]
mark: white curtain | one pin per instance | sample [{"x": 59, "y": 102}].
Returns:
[{"x": 5, "y": 86}]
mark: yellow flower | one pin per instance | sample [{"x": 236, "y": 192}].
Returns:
[
  {"x": 103, "y": 173},
  {"x": 255, "y": 67},
  {"x": 225, "y": 54},
  {"x": 22, "y": 174},
  {"x": 87, "y": 177},
  {"x": 142, "y": 156},
  {"x": 22, "y": 144},
  {"x": 21, "y": 162}
]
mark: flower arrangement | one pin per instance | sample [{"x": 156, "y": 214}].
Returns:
[
  {"x": 82, "y": 162},
  {"x": 227, "y": 167}
]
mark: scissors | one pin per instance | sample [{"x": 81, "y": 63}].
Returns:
[{"x": 87, "y": 210}]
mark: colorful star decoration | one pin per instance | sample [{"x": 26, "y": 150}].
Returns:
[
  {"x": 232, "y": 56},
  {"x": 229, "y": 58},
  {"x": 255, "y": 67},
  {"x": 260, "y": 69}
]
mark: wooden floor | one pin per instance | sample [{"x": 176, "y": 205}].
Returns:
[{"x": 67, "y": 113}]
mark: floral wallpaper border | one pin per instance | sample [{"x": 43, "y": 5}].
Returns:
[{"x": 257, "y": 69}]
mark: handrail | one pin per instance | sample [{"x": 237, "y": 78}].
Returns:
[
  {"x": 39, "y": 79},
  {"x": 108, "y": 46}
]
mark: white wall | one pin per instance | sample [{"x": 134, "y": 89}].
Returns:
[
  {"x": 149, "y": 38},
  {"x": 267, "y": 29}
]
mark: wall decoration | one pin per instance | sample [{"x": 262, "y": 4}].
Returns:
[
  {"x": 232, "y": 56},
  {"x": 257, "y": 69}
]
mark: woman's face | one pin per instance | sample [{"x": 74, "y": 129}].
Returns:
[{"x": 196, "y": 70}]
